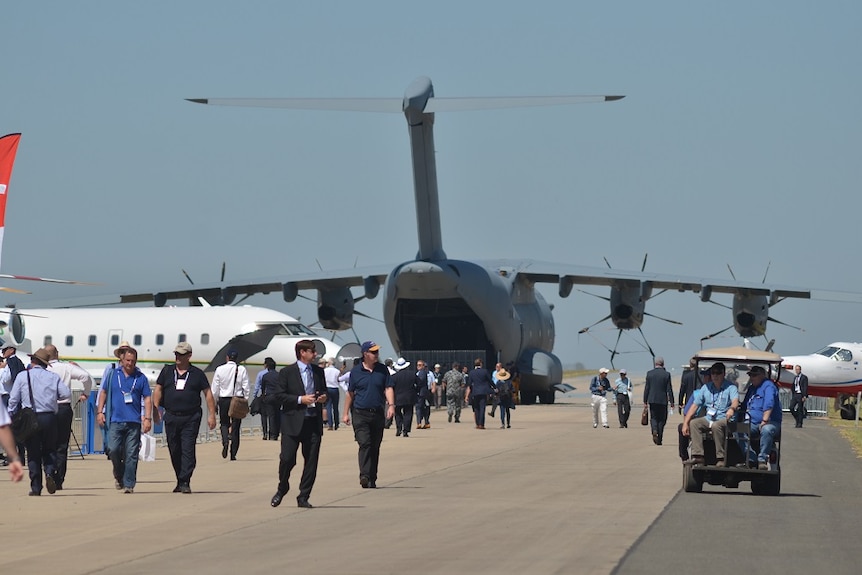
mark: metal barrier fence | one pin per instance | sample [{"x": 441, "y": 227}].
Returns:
[
  {"x": 814, "y": 406},
  {"x": 88, "y": 438}
]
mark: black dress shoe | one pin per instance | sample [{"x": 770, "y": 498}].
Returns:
[
  {"x": 185, "y": 488},
  {"x": 35, "y": 493},
  {"x": 364, "y": 482},
  {"x": 304, "y": 503},
  {"x": 372, "y": 484},
  {"x": 177, "y": 489},
  {"x": 224, "y": 451},
  {"x": 276, "y": 499}
]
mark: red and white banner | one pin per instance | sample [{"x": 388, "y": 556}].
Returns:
[{"x": 8, "y": 148}]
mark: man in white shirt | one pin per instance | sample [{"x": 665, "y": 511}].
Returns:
[
  {"x": 230, "y": 379},
  {"x": 333, "y": 395},
  {"x": 68, "y": 372}
]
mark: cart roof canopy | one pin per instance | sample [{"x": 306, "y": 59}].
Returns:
[{"x": 737, "y": 354}]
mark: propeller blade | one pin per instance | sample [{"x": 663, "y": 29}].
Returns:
[
  {"x": 188, "y": 277},
  {"x": 223, "y": 267},
  {"x": 712, "y": 335},
  {"x": 651, "y": 352},
  {"x": 365, "y": 315},
  {"x": 643, "y": 265},
  {"x": 766, "y": 272},
  {"x": 594, "y": 295},
  {"x": 607, "y": 262},
  {"x": 614, "y": 352},
  {"x": 783, "y": 323},
  {"x": 770, "y": 344},
  {"x": 673, "y": 321},
  {"x": 586, "y": 329},
  {"x": 730, "y": 269}
]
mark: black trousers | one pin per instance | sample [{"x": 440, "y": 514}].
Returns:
[
  {"x": 797, "y": 408},
  {"x": 368, "y": 431},
  {"x": 41, "y": 450},
  {"x": 181, "y": 432},
  {"x": 403, "y": 418},
  {"x": 64, "y": 432},
  {"x": 658, "y": 419},
  {"x": 229, "y": 426},
  {"x": 624, "y": 408},
  {"x": 309, "y": 439}
]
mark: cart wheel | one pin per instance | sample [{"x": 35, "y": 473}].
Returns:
[
  {"x": 690, "y": 482},
  {"x": 772, "y": 485}
]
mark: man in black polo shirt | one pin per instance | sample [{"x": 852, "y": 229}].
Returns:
[
  {"x": 369, "y": 392},
  {"x": 178, "y": 390}
]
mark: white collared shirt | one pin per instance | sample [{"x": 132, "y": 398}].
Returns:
[{"x": 223, "y": 381}]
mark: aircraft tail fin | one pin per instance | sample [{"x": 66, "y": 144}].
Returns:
[{"x": 8, "y": 149}]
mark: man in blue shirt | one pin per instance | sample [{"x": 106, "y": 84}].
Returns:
[
  {"x": 599, "y": 386},
  {"x": 763, "y": 410},
  {"x": 622, "y": 388},
  {"x": 127, "y": 387},
  {"x": 720, "y": 399},
  {"x": 369, "y": 393}
]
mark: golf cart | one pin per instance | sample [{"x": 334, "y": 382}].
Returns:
[{"x": 739, "y": 447}]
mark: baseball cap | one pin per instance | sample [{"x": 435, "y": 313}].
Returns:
[
  {"x": 183, "y": 348},
  {"x": 370, "y": 346}
]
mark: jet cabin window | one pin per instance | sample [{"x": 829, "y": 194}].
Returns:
[
  {"x": 115, "y": 340},
  {"x": 160, "y": 339},
  {"x": 91, "y": 341},
  {"x": 47, "y": 341},
  {"x": 205, "y": 339},
  {"x": 70, "y": 340},
  {"x": 181, "y": 338},
  {"x": 138, "y": 339}
]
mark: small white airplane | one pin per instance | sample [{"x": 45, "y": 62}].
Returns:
[
  {"x": 833, "y": 370},
  {"x": 89, "y": 336}
]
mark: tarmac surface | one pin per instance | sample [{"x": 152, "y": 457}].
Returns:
[{"x": 549, "y": 495}]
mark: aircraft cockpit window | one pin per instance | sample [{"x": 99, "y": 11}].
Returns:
[
  {"x": 290, "y": 329},
  {"x": 828, "y": 351},
  {"x": 843, "y": 355}
]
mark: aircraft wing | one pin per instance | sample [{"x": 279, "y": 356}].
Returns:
[
  {"x": 567, "y": 275},
  {"x": 287, "y": 284}
]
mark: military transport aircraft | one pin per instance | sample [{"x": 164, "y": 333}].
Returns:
[{"x": 433, "y": 302}]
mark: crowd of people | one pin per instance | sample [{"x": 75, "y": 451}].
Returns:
[{"x": 302, "y": 399}]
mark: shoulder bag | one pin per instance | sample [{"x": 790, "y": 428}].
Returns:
[
  {"x": 238, "y": 404},
  {"x": 645, "y": 416},
  {"x": 24, "y": 421}
]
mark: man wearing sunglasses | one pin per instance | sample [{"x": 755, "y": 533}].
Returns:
[
  {"x": 371, "y": 401},
  {"x": 720, "y": 398}
]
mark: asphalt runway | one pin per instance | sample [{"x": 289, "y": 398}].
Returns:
[{"x": 549, "y": 495}]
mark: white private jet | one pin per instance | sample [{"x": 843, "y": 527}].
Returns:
[
  {"x": 89, "y": 336},
  {"x": 833, "y": 370}
]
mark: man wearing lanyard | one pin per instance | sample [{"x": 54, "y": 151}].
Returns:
[
  {"x": 370, "y": 393},
  {"x": 178, "y": 390},
  {"x": 721, "y": 400},
  {"x": 127, "y": 387},
  {"x": 300, "y": 396}
]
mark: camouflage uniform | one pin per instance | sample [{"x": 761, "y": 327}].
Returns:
[{"x": 454, "y": 382}]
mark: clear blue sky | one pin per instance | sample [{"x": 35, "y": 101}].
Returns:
[{"x": 738, "y": 142}]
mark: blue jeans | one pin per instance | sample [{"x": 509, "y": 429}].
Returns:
[
  {"x": 124, "y": 442},
  {"x": 767, "y": 435}
]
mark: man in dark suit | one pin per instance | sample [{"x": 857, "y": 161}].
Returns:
[
  {"x": 406, "y": 384},
  {"x": 689, "y": 383},
  {"x": 300, "y": 396},
  {"x": 799, "y": 394},
  {"x": 658, "y": 393}
]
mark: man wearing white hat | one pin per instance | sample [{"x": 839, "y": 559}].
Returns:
[
  {"x": 406, "y": 384},
  {"x": 599, "y": 386}
]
